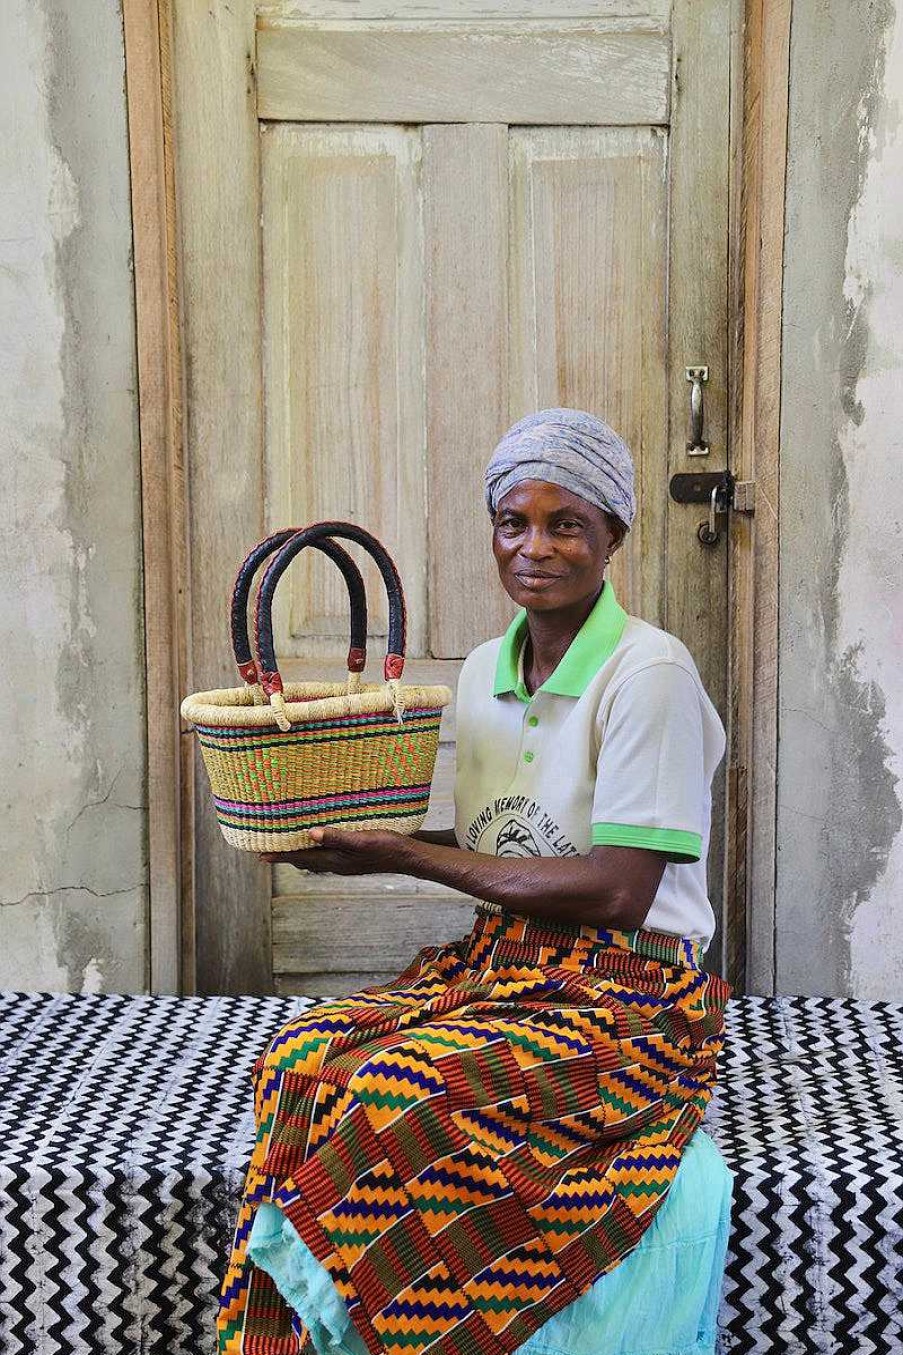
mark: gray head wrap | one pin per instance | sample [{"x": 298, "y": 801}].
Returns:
[{"x": 570, "y": 448}]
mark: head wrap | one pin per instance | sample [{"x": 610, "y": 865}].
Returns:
[{"x": 566, "y": 447}]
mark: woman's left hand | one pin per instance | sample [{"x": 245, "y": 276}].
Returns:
[{"x": 344, "y": 851}]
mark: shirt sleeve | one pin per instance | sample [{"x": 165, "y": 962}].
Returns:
[{"x": 651, "y": 788}]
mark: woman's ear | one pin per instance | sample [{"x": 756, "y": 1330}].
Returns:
[{"x": 618, "y": 530}]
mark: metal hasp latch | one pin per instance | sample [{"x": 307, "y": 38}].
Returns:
[{"x": 720, "y": 490}]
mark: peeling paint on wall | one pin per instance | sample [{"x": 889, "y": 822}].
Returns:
[
  {"x": 72, "y": 880},
  {"x": 840, "y": 715},
  {"x": 870, "y": 587}
]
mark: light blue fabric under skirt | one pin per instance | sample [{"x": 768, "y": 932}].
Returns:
[{"x": 662, "y": 1299}]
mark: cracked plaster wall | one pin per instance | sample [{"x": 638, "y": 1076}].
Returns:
[
  {"x": 73, "y": 859},
  {"x": 840, "y": 847}
]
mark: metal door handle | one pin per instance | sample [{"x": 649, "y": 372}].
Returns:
[{"x": 696, "y": 446}]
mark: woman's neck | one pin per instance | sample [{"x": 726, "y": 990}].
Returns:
[{"x": 549, "y": 636}]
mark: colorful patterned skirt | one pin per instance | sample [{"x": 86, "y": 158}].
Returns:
[{"x": 468, "y": 1148}]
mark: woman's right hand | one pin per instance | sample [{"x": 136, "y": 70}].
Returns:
[{"x": 364, "y": 851}]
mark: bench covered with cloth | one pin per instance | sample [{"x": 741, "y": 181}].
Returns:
[{"x": 126, "y": 1127}]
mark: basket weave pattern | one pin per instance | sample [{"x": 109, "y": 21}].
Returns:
[
  {"x": 366, "y": 769},
  {"x": 283, "y": 760}
]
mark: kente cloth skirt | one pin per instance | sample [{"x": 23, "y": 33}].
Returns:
[
  {"x": 467, "y": 1149},
  {"x": 662, "y": 1299}
]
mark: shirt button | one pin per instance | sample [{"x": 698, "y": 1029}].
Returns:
[
  {"x": 533, "y": 720},
  {"x": 528, "y": 757}
]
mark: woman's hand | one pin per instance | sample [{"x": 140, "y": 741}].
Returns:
[{"x": 349, "y": 852}]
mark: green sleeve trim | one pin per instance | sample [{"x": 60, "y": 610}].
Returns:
[{"x": 676, "y": 842}]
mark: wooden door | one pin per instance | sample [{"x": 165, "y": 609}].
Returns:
[{"x": 400, "y": 232}]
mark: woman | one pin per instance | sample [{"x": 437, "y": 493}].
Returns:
[{"x": 474, "y": 1157}]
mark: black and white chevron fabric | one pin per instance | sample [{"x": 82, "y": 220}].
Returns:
[{"x": 126, "y": 1124}]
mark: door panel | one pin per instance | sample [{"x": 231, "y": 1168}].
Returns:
[
  {"x": 587, "y": 320},
  {"x": 371, "y": 319},
  {"x": 343, "y": 356},
  {"x": 501, "y": 72},
  {"x": 466, "y": 216}
]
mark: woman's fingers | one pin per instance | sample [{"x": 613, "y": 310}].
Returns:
[
  {"x": 340, "y": 851},
  {"x": 310, "y": 859},
  {"x": 344, "y": 839}
]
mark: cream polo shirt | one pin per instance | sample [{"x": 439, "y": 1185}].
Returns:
[{"x": 619, "y": 745}]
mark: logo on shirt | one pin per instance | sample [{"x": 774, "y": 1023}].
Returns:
[
  {"x": 516, "y": 825},
  {"x": 516, "y": 839}
]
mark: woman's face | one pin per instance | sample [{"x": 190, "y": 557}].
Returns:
[{"x": 550, "y": 545}]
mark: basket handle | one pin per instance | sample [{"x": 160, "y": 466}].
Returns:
[
  {"x": 238, "y": 614},
  {"x": 270, "y": 678}
]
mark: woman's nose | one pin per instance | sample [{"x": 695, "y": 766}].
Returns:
[{"x": 535, "y": 544}]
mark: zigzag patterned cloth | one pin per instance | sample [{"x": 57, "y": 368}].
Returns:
[
  {"x": 127, "y": 1124},
  {"x": 467, "y": 1148}
]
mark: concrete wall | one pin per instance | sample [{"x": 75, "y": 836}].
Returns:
[
  {"x": 72, "y": 828},
  {"x": 840, "y": 863}
]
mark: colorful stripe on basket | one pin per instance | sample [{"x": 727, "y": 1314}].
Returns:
[
  {"x": 320, "y": 810},
  {"x": 393, "y": 794},
  {"x": 318, "y": 731}
]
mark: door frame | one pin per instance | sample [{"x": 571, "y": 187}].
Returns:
[
  {"x": 170, "y": 769},
  {"x": 758, "y": 170},
  {"x": 179, "y": 599}
]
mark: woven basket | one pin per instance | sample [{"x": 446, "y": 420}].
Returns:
[{"x": 283, "y": 759}]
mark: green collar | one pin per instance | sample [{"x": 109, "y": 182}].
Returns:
[{"x": 594, "y": 642}]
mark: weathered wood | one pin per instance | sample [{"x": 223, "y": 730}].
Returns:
[
  {"x": 326, "y": 888},
  {"x": 466, "y": 240},
  {"x": 365, "y": 932},
  {"x": 216, "y": 144},
  {"x": 734, "y": 909},
  {"x": 642, "y": 11},
  {"x": 587, "y": 307},
  {"x": 754, "y": 557},
  {"x": 457, "y": 73},
  {"x": 330, "y": 984},
  {"x": 146, "y": 34},
  {"x": 343, "y": 303},
  {"x": 697, "y": 576}
]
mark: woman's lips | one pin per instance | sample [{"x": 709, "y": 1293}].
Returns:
[{"x": 536, "y": 580}]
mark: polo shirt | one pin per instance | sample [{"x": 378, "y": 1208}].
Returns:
[{"x": 618, "y": 746}]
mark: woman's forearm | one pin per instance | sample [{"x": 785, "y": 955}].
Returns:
[
  {"x": 608, "y": 887},
  {"x": 581, "y": 889}
]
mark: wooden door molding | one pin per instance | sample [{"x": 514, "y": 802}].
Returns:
[
  {"x": 757, "y": 236},
  {"x": 696, "y": 578},
  {"x": 197, "y": 271},
  {"x": 165, "y": 539}
]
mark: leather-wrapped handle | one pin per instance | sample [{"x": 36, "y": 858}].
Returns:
[
  {"x": 393, "y": 667},
  {"x": 238, "y": 614}
]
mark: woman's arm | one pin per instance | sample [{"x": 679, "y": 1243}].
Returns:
[{"x": 609, "y": 887}]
